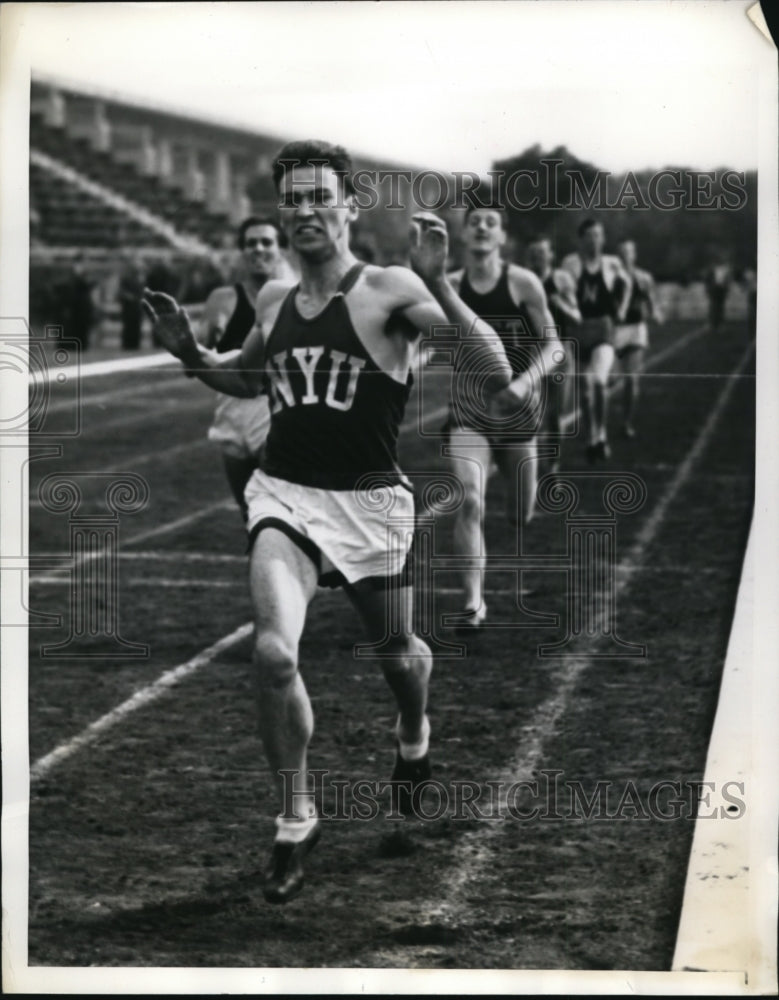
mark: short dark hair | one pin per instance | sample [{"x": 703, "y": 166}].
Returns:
[
  {"x": 587, "y": 225},
  {"x": 472, "y": 205},
  {"x": 259, "y": 220},
  {"x": 314, "y": 152}
]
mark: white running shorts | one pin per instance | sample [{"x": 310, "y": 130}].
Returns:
[
  {"x": 240, "y": 425},
  {"x": 350, "y": 534}
]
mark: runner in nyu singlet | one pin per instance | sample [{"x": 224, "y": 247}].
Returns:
[
  {"x": 332, "y": 353},
  {"x": 335, "y": 413}
]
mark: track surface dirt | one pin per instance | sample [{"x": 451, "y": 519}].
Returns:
[{"x": 145, "y": 846}]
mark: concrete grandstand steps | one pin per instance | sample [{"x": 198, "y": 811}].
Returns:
[
  {"x": 68, "y": 216},
  {"x": 64, "y": 199},
  {"x": 188, "y": 216}
]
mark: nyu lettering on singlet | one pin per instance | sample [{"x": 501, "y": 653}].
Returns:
[
  {"x": 638, "y": 307},
  {"x": 335, "y": 414},
  {"x": 239, "y": 324},
  {"x": 594, "y": 298},
  {"x": 507, "y": 319}
]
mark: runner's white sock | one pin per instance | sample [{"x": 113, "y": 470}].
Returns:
[
  {"x": 293, "y": 831},
  {"x": 414, "y": 751}
]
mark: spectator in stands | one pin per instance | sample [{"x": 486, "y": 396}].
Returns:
[
  {"x": 748, "y": 282},
  {"x": 199, "y": 282},
  {"x": 78, "y": 304},
  {"x": 131, "y": 287},
  {"x": 162, "y": 277},
  {"x": 105, "y": 296},
  {"x": 35, "y": 225}
]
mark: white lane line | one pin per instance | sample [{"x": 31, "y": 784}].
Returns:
[
  {"x": 155, "y": 532},
  {"x": 144, "y": 696},
  {"x": 715, "y": 932},
  {"x": 158, "y": 415},
  {"x": 223, "y": 505},
  {"x": 134, "y": 391},
  {"x": 133, "y": 462},
  {"x": 183, "y": 583},
  {"x": 180, "y": 522},
  {"x": 184, "y": 557},
  {"x": 157, "y": 581},
  {"x": 94, "y": 368},
  {"x": 474, "y": 852}
]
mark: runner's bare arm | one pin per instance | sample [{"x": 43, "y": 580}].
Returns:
[
  {"x": 216, "y": 314},
  {"x": 526, "y": 288},
  {"x": 654, "y": 302},
  {"x": 266, "y": 308},
  {"x": 564, "y": 298},
  {"x": 626, "y": 286},
  {"x": 173, "y": 330},
  {"x": 442, "y": 305}
]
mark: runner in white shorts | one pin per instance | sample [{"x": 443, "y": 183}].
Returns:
[
  {"x": 631, "y": 338},
  {"x": 601, "y": 294},
  {"x": 335, "y": 352},
  {"x": 240, "y": 426}
]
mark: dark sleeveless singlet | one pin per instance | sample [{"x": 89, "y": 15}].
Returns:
[
  {"x": 240, "y": 323},
  {"x": 597, "y": 305},
  {"x": 335, "y": 415},
  {"x": 594, "y": 298},
  {"x": 509, "y": 320},
  {"x": 559, "y": 317},
  {"x": 638, "y": 307}
]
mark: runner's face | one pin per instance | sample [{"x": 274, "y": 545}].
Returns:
[
  {"x": 261, "y": 251},
  {"x": 593, "y": 239},
  {"x": 315, "y": 211},
  {"x": 539, "y": 257},
  {"x": 483, "y": 231}
]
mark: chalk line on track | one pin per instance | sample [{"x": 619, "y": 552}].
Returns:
[
  {"x": 552, "y": 709},
  {"x": 473, "y": 849},
  {"x": 142, "y": 697},
  {"x": 117, "y": 395},
  {"x": 473, "y": 852},
  {"x": 155, "y": 532},
  {"x": 109, "y": 367}
]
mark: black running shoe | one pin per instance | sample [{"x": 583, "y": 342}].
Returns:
[
  {"x": 284, "y": 874},
  {"x": 407, "y": 776}
]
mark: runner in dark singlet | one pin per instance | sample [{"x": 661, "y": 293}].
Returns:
[
  {"x": 632, "y": 336},
  {"x": 560, "y": 292},
  {"x": 602, "y": 295},
  {"x": 240, "y": 426},
  {"x": 336, "y": 354},
  {"x": 512, "y": 300}
]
